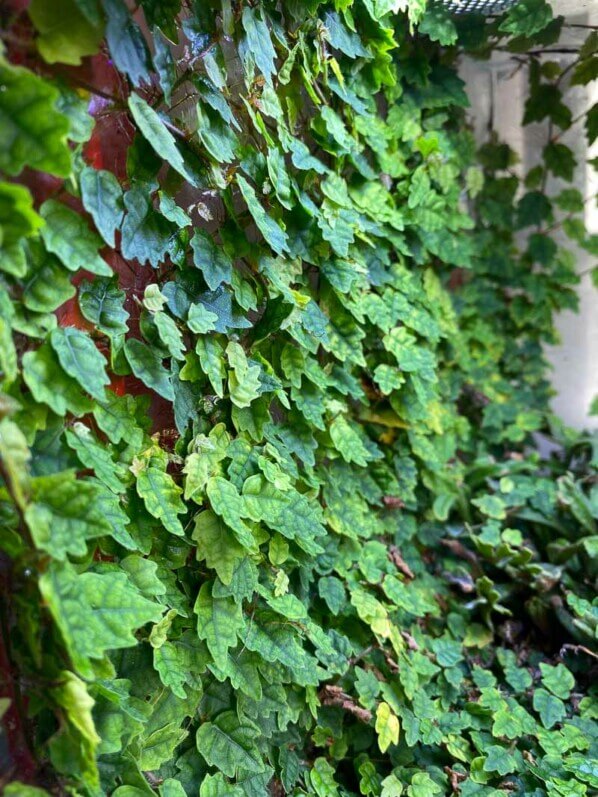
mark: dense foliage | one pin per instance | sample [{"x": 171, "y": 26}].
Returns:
[{"x": 273, "y": 519}]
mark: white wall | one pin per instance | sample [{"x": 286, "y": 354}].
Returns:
[{"x": 497, "y": 90}]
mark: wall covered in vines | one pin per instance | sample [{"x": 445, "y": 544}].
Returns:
[{"x": 271, "y": 326}]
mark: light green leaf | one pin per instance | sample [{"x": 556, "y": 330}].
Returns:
[
  {"x": 200, "y": 320},
  {"x": 217, "y": 786},
  {"x": 170, "y": 335},
  {"x": 347, "y": 442},
  {"x": 286, "y": 511},
  {"x": 211, "y": 358},
  {"x": 559, "y": 680},
  {"x": 387, "y": 726},
  {"x": 321, "y": 777}
]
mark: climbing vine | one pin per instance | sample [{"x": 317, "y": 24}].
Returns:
[{"x": 273, "y": 516}]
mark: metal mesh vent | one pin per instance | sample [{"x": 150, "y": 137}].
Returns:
[{"x": 478, "y": 6}]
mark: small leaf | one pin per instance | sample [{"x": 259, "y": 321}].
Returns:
[{"x": 387, "y": 726}]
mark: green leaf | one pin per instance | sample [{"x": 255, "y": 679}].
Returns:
[
  {"x": 49, "y": 384},
  {"x": 48, "y": 284},
  {"x": 211, "y": 357},
  {"x": 258, "y": 45},
  {"x": 217, "y": 545},
  {"x": 560, "y": 160},
  {"x": 228, "y": 744},
  {"x": 81, "y": 359},
  {"x": 550, "y": 708},
  {"x": 63, "y": 514},
  {"x": 95, "y": 456},
  {"x": 243, "y": 380},
  {"x": 102, "y": 303},
  {"x": 170, "y": 335},
  {"x": 15, "y": 457},
  {"x": 216, "y": 786},
  {"x": 125, "y": 42},
  {"x": 158, "y": 135},
  {"x": 559, "y": 680},
  {"x": 211, "y": 259},
  {"x": 526, "y": 18},
  {"x": 200, "y": 320},
  {"x": 147, "y": 366},
  {"x": 321, "y": 777},
  {"x": 230, "y": 506},
  {"x": 438, "y": 25},
  {"x": 102, "y": 197},
  {"x": 343, "y": 39},
  {"x": 422, "y": 785},
  {"x": 94, "y": 612},
  {"x": 161, "y": 497},
  {"x": 492, "y": 506},
  {"x": 68, "y": 236},
  {"x": 116, "y": 418},
  {"x": 347, "y": 442},
  {"x": 218, "y": 622},
  {"x": 286, "y": 511},
  {"x": 387, "y": 727},
  {"x": 146, "y": 234},
  {"x": 498, "y": 759},
  {"x": 273, "y": 233},
  {"x": 65, "y": 33},
  {"x": 33, "y": 133},
  {"x": 17, "y": 216}
]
